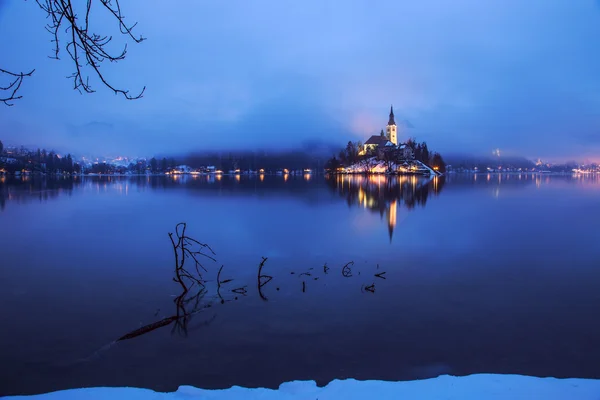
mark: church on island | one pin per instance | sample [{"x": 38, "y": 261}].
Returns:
[{"x": 377, "y": 145}]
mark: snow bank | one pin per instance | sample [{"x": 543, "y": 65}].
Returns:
[{"x": 473, "y": 387}]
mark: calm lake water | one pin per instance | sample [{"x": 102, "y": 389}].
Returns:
[{"x": 456, "y": 275}]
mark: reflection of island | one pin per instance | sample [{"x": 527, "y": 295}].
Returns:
[
  {"x": 376, "y": 192},
  {"x": 385, "y": 194}
]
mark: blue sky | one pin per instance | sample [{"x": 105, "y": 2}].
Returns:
[{"x": 467, "y": 76}]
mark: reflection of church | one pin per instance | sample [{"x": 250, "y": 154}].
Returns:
[{"x": 386, "y": 194}]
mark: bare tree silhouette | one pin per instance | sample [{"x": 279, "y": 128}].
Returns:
[
  {"x": 70, "y": 28},
  {"x": 185, "y": 247},
  {"x": 8, "y": 94}
]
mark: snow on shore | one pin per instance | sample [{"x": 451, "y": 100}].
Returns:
[{"x": 473, "y": 387}]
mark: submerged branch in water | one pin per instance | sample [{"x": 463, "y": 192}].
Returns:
[{"x": 262, "y": 279}]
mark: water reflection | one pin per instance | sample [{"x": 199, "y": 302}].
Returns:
[
  {"x": 377, "y": 193},
  {"x": 26, "y": 189},
  {"x": 386, "y": 194}
]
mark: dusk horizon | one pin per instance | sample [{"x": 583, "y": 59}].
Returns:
[{"x": 505, "y": 75}]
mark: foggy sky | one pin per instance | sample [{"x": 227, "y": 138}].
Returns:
[{"x": 467, "y": 76}]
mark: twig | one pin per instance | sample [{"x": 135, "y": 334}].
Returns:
[
  {"x": 346, "y": 270},
  {"x": 87, "y": 48},
  {"x": 262, "y": 279},
  {"x": 380, "y": 275},
  {"x": 183, "y": 249},
  {"x": 13, "y": 87}
]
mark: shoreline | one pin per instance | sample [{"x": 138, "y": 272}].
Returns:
[{"x": 470, "y": 387}]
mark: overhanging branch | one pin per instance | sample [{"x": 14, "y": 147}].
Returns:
[
  {"x": 8, "y": 94},
  {"x": 86, "y": 48}
]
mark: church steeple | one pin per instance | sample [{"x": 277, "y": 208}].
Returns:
[
  {"x": 391, "y": 128},
  {"x": 391, "y": 121}
]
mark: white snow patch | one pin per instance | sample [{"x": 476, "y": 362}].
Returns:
[{"x": 472, "y": 387}]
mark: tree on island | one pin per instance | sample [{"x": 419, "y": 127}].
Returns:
[
  {"x": 70, "y": 29},
  {"x": 153, "y": 165},
  {"x": 437, "y": 163},
  {"x": 332, "y": 164},
  {"x": 424, "y": 153},
  {"x": 367, "y": 161},
  {"x": 350, "y": 154},
  {"x": 389, "y": 157}
]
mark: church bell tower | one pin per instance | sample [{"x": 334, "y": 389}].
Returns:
[{"x": 391, "y": 128}]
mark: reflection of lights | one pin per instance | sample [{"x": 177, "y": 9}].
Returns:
[
  {"x": 362, "y": 197},
  {"x": 285, "y": 177},
  {"x": 261, "y": 177},
  {"x": 307, "y": 177},
  {"x": 393, "y": 215},
  {"x": 218, "y": 176},
  {"x": 238, "y": 177}
]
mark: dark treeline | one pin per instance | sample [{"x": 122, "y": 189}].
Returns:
[
  {"x": 256, "y": 160},
  {"x": 141, "y": 167},
  {"x": 504, "y": 163},
  {"x": 36, "y": 161}
]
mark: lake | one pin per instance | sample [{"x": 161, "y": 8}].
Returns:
[{"x": 368, "y": 278}]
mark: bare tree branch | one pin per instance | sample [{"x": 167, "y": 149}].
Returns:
[
  {"x": 16, "y": 79},
  {"x": 87, "y": 49},
  {"x": 183, "y": 248}
]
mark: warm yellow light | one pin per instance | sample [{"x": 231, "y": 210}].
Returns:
[
  {"x": 262, "y": 171},
  {"x": 262, "y": 177}
]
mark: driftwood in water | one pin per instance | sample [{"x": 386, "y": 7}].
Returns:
[
  {"x": 148, "y": 328},
  {"x": 185, "y": 247}
]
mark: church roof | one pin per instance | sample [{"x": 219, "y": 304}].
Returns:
[
  {"x": 391, "y": 120},
  {"x": 377, "y": 140}
]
